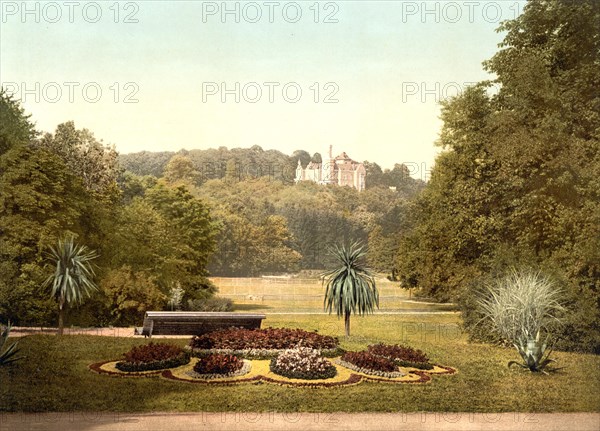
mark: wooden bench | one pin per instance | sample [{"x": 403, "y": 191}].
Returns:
[{"x": 196, "y": 322}]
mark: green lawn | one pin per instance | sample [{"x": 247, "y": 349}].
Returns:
[{"x": 55, "y": 376}]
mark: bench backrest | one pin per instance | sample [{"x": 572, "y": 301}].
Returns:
[{"x": 196, "y": 322}]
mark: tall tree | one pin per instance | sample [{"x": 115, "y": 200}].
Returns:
[
  {"x": 193, "y": 228},
  {"x": 94, "y": 163},
  {"x": 520, "y": 170},
  {"x": 15, "y": 127}
]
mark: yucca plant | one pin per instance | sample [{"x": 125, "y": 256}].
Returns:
[
  {"x": 350, "y": 288},
  {"x": 73, "y": 277},
  {"x": 522, "y": 307},
  {"x": 8, "y": 355}
]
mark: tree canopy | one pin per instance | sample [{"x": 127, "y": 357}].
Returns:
[{"x": 517, "y": 182}]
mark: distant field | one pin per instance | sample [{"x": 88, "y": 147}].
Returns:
[{"x": 306, "y": 295}]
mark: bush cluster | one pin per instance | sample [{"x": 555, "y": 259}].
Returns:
[
  {"x": 267, "y": 339},
  {"x": 302, "y": 363},
  {"x": 218, "y": 364},
  {"x": 403, "y": 356},
  {"x": 210, "y": 304},
  {"x": 369, "y": 361},
  {"x": 153, "y": 357}
]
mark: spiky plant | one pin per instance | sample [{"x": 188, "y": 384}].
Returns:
[
  {"x": 73, "y": 277},
  {"x": 350, "y": 288},
  {"x": 8, "y": 355},
  {"x": 522, "y": 307}
]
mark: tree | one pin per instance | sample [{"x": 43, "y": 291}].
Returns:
[
  {"x": 15, "y": 127},
  {"x": 40, "y": 198},
  {"x": 91, "y": 161},
  {"x": 350, "y": 288},
  {"x": 192, "y": 230},
  {"x": 374, "y": 175},
  {"x": 180, "y": 170},
  {"x": 131, "y": 294},
  {"x": 520, "y": 170},
  {"x": 73, "y": 276},
  {"x": 301, "y": 155}
]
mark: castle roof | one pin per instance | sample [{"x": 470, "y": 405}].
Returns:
[{"x": 343, "y": 156}]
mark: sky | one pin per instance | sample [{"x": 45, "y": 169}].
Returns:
[{"x": 364, "y": 76}]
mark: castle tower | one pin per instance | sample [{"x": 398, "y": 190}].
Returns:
[{"x": 328, "y": 167}]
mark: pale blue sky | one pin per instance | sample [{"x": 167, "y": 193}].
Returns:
[{"x": 379, "y": 55}]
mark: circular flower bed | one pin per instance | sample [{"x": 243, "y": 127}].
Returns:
[
  {"x": 218, "y": 366},
  {"x": 302, "y": 363},
  {"x": 153, "y": 357},
  {"x": 402, "y": 355},
  {"x": 367, "y": 363}
]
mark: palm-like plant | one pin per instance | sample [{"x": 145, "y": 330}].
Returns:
[
  {"x": 521, "y": 307},
  {"x": 7, "y": 356},
  {"x": 73, "y": 276},
  {"x": 350, "y": 288}
]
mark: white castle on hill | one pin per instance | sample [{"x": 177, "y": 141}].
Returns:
[{"x": 340, "y": 170}]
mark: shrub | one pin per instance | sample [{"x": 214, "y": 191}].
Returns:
[
  {"x": 152, "y": 352},
  {"x": 153, "y": 357},
  {"x": 520, "y": 307},
  {"x": 210, "y": 304},
  {"x": 270, "y": 338},
  {"x": 402, "y": 355},
  {"x": 302, "y": 363},
  {"x": 8, "y": 356},
  {"x": 130, "y": 294},
  {"x": 218, "y": 364},
  {"x": 369, "y": 361}
]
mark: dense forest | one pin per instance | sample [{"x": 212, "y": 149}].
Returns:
[
  {"x": 266, "y": 223},
  {"x": 517, "y": 185}
]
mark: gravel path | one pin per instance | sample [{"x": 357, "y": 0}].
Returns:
[
  {"x": 18, "y": 331},
  {"x": 270, "y": 421}
]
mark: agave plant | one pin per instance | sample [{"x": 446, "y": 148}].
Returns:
[
  {"x": 350, "y": 288},
  {"x": 521, "y": 307},
  {"x": 73, "y": 276},
  {"x": 535, "y": 354},
  {"x": 7, "y": 356}
]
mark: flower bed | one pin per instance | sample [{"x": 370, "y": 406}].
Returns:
[
  {"x": 153, "y": 357},
  {"x": 402, "y": 355},
  {"x": 367, "y": 363},
  {"x": 216, "y": 366},
  {"x": 259, "y": 353},
  {"x": 302, "y": 363},
  {"x": 239, "y": 339}
]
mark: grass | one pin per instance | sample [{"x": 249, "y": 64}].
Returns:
[{"x": 54, "y": 377}]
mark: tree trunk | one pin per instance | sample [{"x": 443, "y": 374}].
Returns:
[
  {"x": 61, "y": 323},
  {"x": 347, "y": 323}
]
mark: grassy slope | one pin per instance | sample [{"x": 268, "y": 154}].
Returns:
[{"x": 55, "y": 376}]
